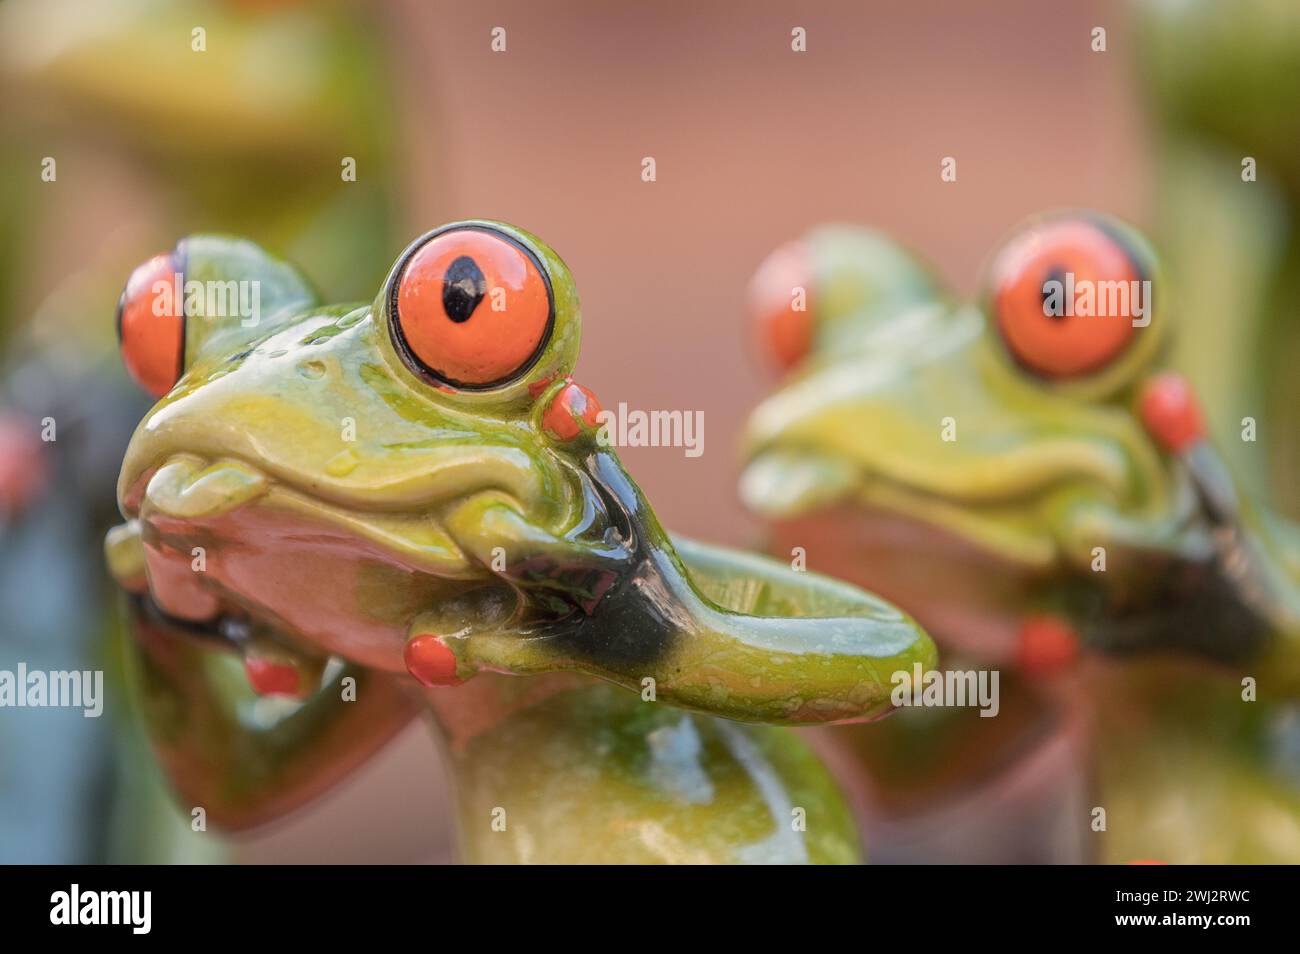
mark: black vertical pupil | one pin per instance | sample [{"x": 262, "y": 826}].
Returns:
[
  {"x": 1054, "y": 274},
  {"x": 463, "y": 287}
]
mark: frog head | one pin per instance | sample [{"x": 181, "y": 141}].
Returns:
[
  {"x": 998, "y": 465},
  {"x": 416, "y": 483}
]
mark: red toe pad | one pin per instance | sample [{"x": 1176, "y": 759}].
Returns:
[
  {"x": 1047, "y": 645},
  {"x": 431, "y": 661},
  {"x": 271, "y": 678}
]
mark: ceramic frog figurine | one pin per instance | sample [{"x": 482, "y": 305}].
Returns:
[
  {"x": 364, "y": 500},
  {"x": 1026, "y": 482},
  {"x": 1014, "y": 450}
]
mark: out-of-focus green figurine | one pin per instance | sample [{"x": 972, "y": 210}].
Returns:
[
  {"x": 269, "y": 119},
  {"x": 132, "y": 121},
  {"x": 1024, "y": 477},
  {"x": 1223, "y": 81},
  {"x": 355, "y": 500}
]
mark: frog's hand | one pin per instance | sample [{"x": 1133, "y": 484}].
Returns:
[
  {"x": 780, "y": 483},
  {"x": 1254, "y": 569},
  {"x": 243, "y": 759},
  {"x": 704, "y": 628},
  {"x": 789, "y": 646}
]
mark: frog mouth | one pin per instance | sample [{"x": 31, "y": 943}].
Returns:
[
  {"x": 613, "y": 596},
  {"x": 792, "y": 483},
  {"x": 1190, "y": 558},
  {"x": 1021, "y": 486}
]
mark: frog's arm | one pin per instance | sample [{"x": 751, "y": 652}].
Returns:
[
  {"x": 245, "y": 759},
  {"x": 1236, "y": 596},
  {"x": 698, "y": 627}
]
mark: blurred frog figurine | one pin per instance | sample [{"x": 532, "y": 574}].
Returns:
[
  {"x": 140, "y": 134},
  {"x": 1023, "y": 476}
]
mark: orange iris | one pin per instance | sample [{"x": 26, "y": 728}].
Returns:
[
  {"x": 473, "y": 308},
  {"x": 779, "y": 299},
  {"x": 151, "y": 325},
  {"x": 1054, "y": 287}
]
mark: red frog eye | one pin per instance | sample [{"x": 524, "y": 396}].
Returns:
[
  {"x": 151, "y": 325},
  {"x": 472, "y": 308},
  {"x": 779, "y": 300},
  {"x": 1037, "y": 280}
]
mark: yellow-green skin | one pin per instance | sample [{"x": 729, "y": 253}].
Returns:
[
  {"x": 253, "y": 133},
  {"x": 1189, "y": 773},
  {"x": 1030, "y": 478},
  {"x": 1221, "y": 82},
  {"x": 595, "y": 776},
  {"x": 1008, "y": 514},
  {"x": 343, "y": 504}
]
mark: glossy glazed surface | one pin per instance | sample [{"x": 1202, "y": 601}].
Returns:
[{"x": 312, "y": 495}]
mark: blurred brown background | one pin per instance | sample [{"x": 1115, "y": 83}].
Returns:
[{"x": 753, "y": 144}]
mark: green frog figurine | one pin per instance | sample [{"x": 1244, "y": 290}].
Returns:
[
  {"x": 406, "y": 504},
  {"x": 1023, "y": 475},
  {"x": 1027, "y": 451}
]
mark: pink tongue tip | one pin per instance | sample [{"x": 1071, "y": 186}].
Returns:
[{"x": 1171, "y": 413}]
